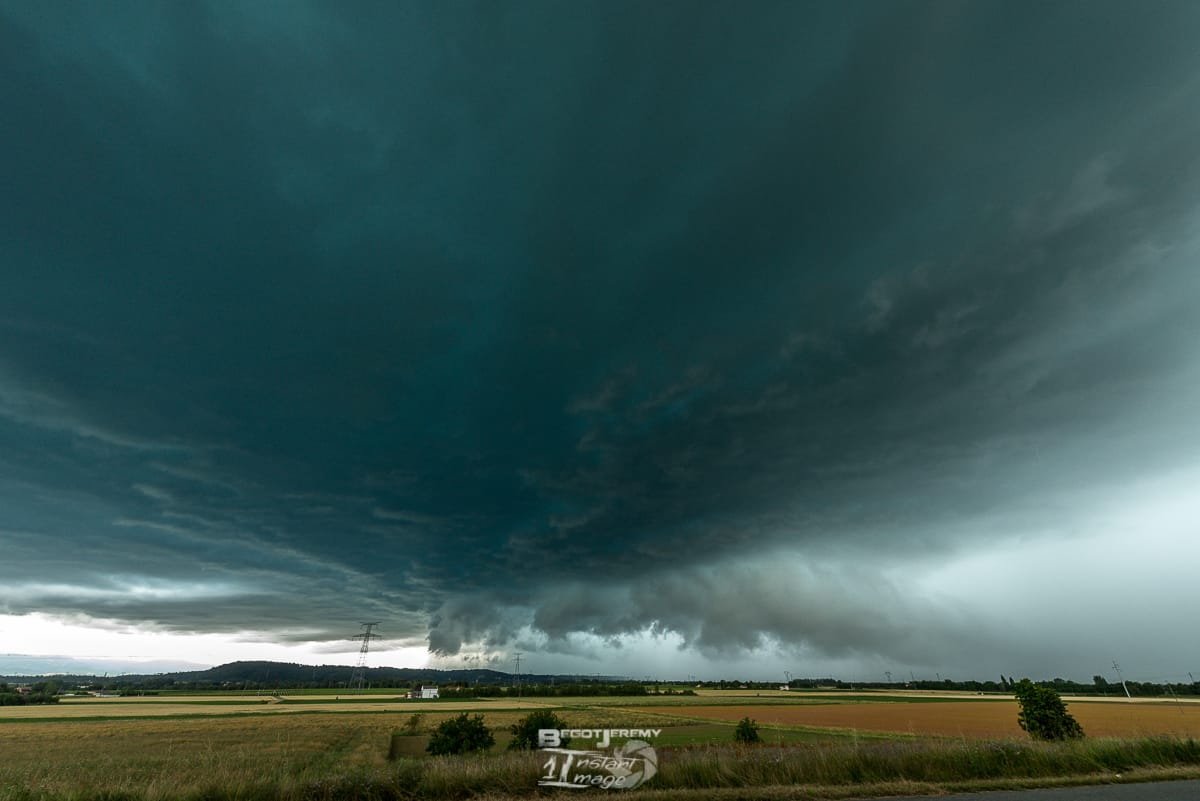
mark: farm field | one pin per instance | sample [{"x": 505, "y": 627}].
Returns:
[
  {"x": 161, "y": 748},
  {"x": 902, "y": 713},
  {"x": 979, "y": 719},
  {"x": 218, "y": 706}
]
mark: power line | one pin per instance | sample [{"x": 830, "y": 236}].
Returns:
[
  {"x": 1117, "y": 668},
  {"x": 360, "y": 670},
  {"x": 518, "y": 656}
]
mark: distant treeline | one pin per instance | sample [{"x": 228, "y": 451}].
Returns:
[
  {"x": 153, "y": 685},
  {"x": 567, "y": 690},
  {"x": 270, "y": 676},
  {"x": 1098, "y": 686},
  {"x": 41, "y": 693},
  {"x": 462, "y": 689}
]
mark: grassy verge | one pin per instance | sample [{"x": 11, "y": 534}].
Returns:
[
  {"x": 714, "y": 773},
  {"x": 918, "y": 761}
]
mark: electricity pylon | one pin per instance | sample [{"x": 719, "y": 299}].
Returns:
[{"x": 360, "y": 670}]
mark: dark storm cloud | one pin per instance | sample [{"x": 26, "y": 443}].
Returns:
[{"x": 454, "y": 314}]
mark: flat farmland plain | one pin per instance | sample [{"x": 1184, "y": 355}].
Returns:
[
  {"x": 321, "y": 747},
  {"x": 157, "y": 757},
  {"x": 228, "y": 706},
  {"x": 992, "y": 718}
]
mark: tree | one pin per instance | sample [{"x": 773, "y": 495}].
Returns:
[
  {"x": 1043, "y": 713},
  {"x": 525, "y": 730},
  {"x": 746, "y": 732},
  {"x": 460, "y": 735}
]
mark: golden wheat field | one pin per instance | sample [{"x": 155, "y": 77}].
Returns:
[
  {"x": 155, "y": 748},
  {"x": 227, "y": 706},
  {"x": 153, "y": 754},
  {"x": 65, "y": 755}
]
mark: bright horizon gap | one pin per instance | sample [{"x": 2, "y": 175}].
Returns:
[{"x": 163, "y": 645}]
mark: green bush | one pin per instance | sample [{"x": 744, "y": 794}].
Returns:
[
  {"x": 746, "y": 732},
  {"x": 525, "y": 730},
  {"x": 1043, "y": 713},
  {"x": 460, "y": 735}
]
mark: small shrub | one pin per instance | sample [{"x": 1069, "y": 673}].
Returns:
[
  {"x": 460, "y": 735},
  {"x": 525, "y": 730},
  {"x": 746, "y": 732},
  {"x": 1043, "y": 713}
]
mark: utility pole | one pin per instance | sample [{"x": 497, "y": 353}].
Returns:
[{"x": 1117, "y": 668}]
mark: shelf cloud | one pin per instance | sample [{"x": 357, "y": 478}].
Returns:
[{"x": 608, "y": 331}]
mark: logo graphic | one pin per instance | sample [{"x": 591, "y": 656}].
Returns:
[
  {"x": 633, "y": 763},
  {"x": 640, "y": 754}
]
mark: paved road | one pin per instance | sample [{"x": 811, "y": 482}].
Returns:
[{"x": 1141, "y": 791}]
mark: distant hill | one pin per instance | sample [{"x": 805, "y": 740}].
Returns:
[
  {"x": 286, "y": 673},
  {"x": 279, "y": 675},
  {"x": 269, "y": 676},
  {"x": 46, "y": 665}
]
